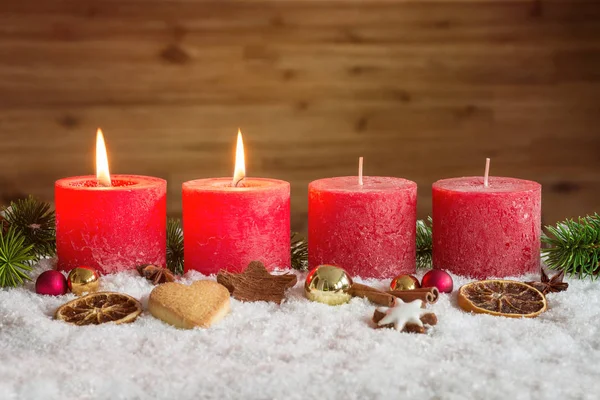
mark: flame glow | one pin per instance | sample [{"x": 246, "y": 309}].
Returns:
[
  {"x": 240, "y": 163},
  {"x": 102, "y": 173}
]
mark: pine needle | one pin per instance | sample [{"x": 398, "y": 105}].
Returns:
[
  {"x": 424, "y": 243},
  {"x": 175, "y": 246},
  {"x": 299, "y": 249},
  {"x": 574, "y": 247},
  {"x": 35, "y": 219},
  {"x": 16, "y": 258}
]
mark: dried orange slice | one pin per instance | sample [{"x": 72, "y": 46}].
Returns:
[
  {"x": 499, "y": 297},
  {"x": 98, "y": 308}
]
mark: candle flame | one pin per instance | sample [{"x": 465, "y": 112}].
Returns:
[
  {"x": 240, "y": 163},
  {"x": 102, "y": 173}
]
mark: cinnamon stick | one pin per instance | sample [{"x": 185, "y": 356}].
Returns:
[
  {"x": 428, "y": 295},
  {"x": 374, "y": 295}
]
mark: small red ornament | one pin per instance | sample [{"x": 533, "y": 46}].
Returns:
[
  {"x": 439, "y": 279},
  {"x": 51, "y": 283}
]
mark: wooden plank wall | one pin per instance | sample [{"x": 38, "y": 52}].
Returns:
[{"x": 421, "y": 89}]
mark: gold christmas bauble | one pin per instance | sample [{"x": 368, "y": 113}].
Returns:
[
  {"x": 82, "y": 280},
  {"x": 405, "y": 282},
  {"x": 328, "y": 284}
]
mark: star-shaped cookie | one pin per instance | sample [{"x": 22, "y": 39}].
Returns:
[
  {"x": 405, "y": 317},
  {"x": 257, "y": 284}
]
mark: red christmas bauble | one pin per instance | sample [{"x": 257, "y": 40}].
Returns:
[
  {"x": 52, "y": 283},
  {"x": 438, "y": 278}
]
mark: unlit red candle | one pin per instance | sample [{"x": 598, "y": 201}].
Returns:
[
  {"x": 112, "y": 228},
  {"x": 491, "y": 231},
  {"x": 369, "y": 229}
]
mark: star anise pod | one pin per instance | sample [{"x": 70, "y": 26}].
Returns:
[
  {"x": 553, "y": 285},
  {"x": 155, "y": 274}
]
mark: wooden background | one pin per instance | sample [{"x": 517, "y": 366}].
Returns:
[{"x": 423, "y": 89}]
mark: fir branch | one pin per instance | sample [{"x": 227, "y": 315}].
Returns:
[
  {"x": 175, "y": 246},
  {"x": 35, "y": 219},
  {"x": 3, "y": 223},
  {"x": 299, "y": 249},
  {"x": 424, "y": 243},
  {"x": 574, "y": 247},
  {"x": 16, "y": 258}
]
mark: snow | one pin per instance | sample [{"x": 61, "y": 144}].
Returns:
[{"x": 300, "y": 350}]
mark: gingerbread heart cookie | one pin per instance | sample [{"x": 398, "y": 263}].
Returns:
[{"x": 201, "y": 304}]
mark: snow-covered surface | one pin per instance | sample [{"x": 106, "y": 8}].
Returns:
[{"x": 300, "y": 350}]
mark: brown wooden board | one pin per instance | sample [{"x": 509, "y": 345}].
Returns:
[{"x": 423, "y": 90}]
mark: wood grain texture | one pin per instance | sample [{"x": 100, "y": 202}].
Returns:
[{"x": 422, "y": 89}]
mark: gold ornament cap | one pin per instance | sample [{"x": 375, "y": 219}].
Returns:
[
  {"x": 82, "y": 280},
  {"x": 328, "y": 284},
  {"x": 405, "y": 282}
]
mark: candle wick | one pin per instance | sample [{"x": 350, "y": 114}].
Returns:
[
  {"x": 360, "y": 171},
  {"x": 235, "y": 182},
  {"x": 486, "y": 176}
]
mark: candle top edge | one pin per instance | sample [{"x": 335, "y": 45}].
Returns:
[
  {"x": 497, "y": 184},
  {"x": 119, "y": 182},
  {"x": 225, "y": 184},
  {"x": 370, "y": 184}
]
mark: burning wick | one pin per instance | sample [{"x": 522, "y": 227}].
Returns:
[
  {"x": 102, "y": 172},
  {"x": 360, "y": 171},
  {"x": 486, "y": 175},
  {"x": 240, "y": 164}
]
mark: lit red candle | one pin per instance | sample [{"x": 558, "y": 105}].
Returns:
[
  {"x": 110, "y": 223},
  {"x": 230, "y": 222},
  {"x": 487, "y": 227},
  {"x": 366, "y": 225}
]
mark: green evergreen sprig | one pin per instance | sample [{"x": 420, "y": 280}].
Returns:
[
  {"x": 175, "y": 246},
  {"x": 574, "y": 247},
  {"x": 299, "y": 249},
  {"x": 36, "y": 221},
  {"x": 424, "y": 243},
  {"x": 16, "y": 258}
]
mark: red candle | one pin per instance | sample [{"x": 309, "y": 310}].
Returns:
[
  {"x": 368, "y": 229},
  {"x": 229, "y": 223},
  {"x": 486, "y": 231},
  {"x": 110, "y": 223}
]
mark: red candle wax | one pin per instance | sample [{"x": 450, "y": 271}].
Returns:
[
  {"x": 369, "y": 230},
  {"x": 112, "y": 228},
  {"x": 483, "y": 232},
  {"x": 227, "y": 227}
]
